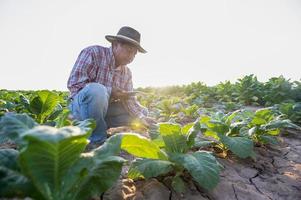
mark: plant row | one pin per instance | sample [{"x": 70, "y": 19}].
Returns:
[{"x": 50, "y": 162}]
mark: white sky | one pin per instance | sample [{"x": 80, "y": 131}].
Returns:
[{"x": 193, "y": 40}]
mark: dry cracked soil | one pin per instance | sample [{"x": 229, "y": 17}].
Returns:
[{"x": 275, "y": 174}]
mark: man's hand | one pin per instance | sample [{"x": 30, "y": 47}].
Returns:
[
  {"x": 147, "y": 121},
  {"x": 119, "y": 94}
]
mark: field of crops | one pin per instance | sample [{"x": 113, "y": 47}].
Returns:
[{"x": 42, "y": 149}]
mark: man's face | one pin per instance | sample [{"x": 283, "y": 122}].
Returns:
[{"x": 124, "y": 53}]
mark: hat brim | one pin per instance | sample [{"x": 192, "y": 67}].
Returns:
[{"x": 112, "y": 38}]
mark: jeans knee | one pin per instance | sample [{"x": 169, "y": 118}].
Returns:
[
  {"x": 95, "y": 91},
  {"x": 96, "y": 88}
]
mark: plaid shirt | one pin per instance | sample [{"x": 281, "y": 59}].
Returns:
[{"x": 97, "y": 64}]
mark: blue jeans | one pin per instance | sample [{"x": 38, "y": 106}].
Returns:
[{"x": 93, "y": 102}]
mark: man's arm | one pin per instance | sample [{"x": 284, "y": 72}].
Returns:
[
  {"x": 81, "y": 71},
  {"x": 135, "y": 108}
]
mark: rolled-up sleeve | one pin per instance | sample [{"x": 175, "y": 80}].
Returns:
[{"x": 81, "y": 71}]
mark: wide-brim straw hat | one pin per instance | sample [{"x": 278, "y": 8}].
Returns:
[{"x": 127, "y": 34}]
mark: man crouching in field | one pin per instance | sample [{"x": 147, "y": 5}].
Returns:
[{"x": 101, "y": 85}]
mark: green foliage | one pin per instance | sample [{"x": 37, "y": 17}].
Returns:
[
  {"x": 240, "y": 146},
  {"x": 44, "y": 104},
  {"x": 148, "y": 168},
  {"x": 8, "y": 158},
  {"x": 277, "y": 90},
  {"x": 178, "y": 184},
  {"x": 191, "y": 111},
  {"x": 48, "y": 155},
  {"x": 265, "y": 124},
  {"x": 291, "y": 110},
  {"x": 181, "y": 103},
  {"x": 11, "y": 125},
  {"x": 173, "y": 137},
  {"x": 14, "y": 101},
  {"x": 237, "y": 131},
  {"x": 12, "y": 182},
  {"x": 221, "y": 129},
  {"x": 296, "y": 91},
  {"x": 226, "y": 91},
  {"x": 249, "y": 90},
  {"x": 170, "y": 107},
  {"x": 176, "y": 156},
  {"x": 141, "y": 147},
  {"x": 53, "y": 166},
  {"x": 201, "y": 165}
]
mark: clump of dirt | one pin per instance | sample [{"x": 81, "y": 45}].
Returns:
[{"x": 8, "y": 145}]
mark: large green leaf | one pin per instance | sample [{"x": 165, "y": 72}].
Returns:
[
  {"x": 24, "y": 101},
  {"x": 174, "y": 140},
  {"x": 56, "y": 112},
  {"x": 159, "y": 142},
  {"x": 48, "y": 154},
  {"x": 86, "y": 126},
  {"x": 192, "y": 133},
  {"x": 268, "y": 139},
  {"x": 211, "y": 127},
  {"x": 273, "y": 132},
  {"x": 95, "y": 171},
  {"x": 213, "y": 134},
  {"x": 153, "y": 132},
  {"x": 141, "y": 147},
  {"x": 201, "y": 165},
  {"x": 202, "y": 143},
  {"x": 14, "y": 184},
  {"x": 178, "y": 184},
  {"x": 240, "y": 146},
  {"x": 186, "y": 128},
  {"x": 12, "y": 125},
  {"x": 233, "y": 117},
  {"x": 246, "y": 132},
  {"x": 204, "y": 120},
  {"x": 218, "y": 126},
  {"x": 8, "y": 158},
  {"x": 264, "y": 114},
  {"x": 43, "y": 104},
  {"x": 276, "y": 124},
  {"x": 258, "y": 121},
  {"x": 111, "y": 147},
  {"x": 101, "y": 175},
  {"x": 148, "y": 168},
  {"x": 63, "y": 119}
]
